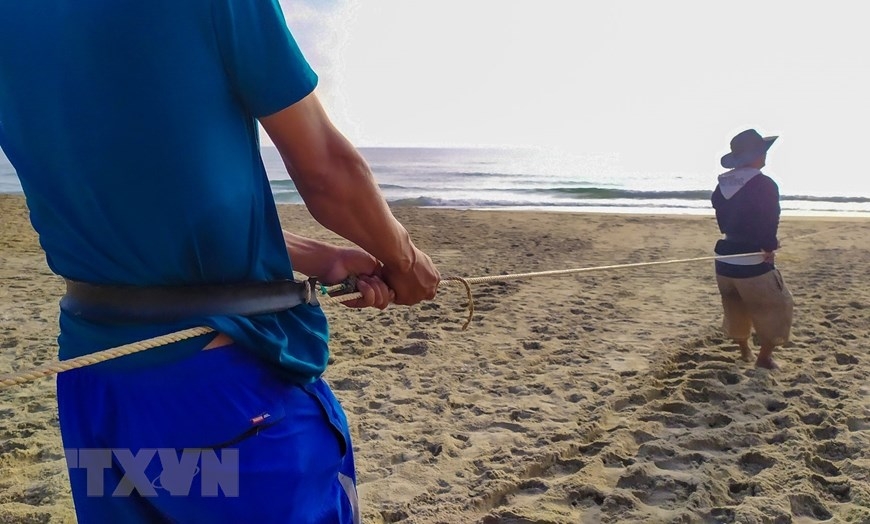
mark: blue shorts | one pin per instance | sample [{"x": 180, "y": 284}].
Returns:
[{"x": 217, "y": 437}]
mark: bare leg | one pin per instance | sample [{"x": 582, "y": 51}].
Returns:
[
  {"x": 745, "y": 352},
  {"x": 765, "y": 357}
]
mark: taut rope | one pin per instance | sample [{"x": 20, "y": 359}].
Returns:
[{"x": 53, "y": 368}]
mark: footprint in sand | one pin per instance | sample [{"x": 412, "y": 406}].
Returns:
[
  {"x": 839, "y": 490},
  {"x": 721, "y": 515},
  {"x": 780, "y": 437},
  {"x": 349, "y": 384},
  {"x": 754, "y": 462},
  {"x": 673, "y": 415},
  {"x": 775, "y": 406},
  {"x": 806, "y": 505},
  {"x": 414, "y": 348},
  {"x": 586, "y": 497},
  {"x": 680, "y": 408},
  {"x": 655, "y": 490},
  {"x": 682, "y": 462},
  {"x": 828, "y": 393},
  {"x": 705, "y": 391},
  {"x": 614, "y": 460},
  {"x": 727, "y": 378},
  {"x": 844, "y": 359},
  {"x": 423, "y": 335},
  {"x": 857, "y": 424},
  {"x": 717, "y": 420},
  {"x": 741, "y": 490},
  {"x": 634, "y": 400},
  {"x": 792, "y": 393},
  {"x": 823, "y": 467},
  {"x": 837, "y": 451},
  {"x": 826, "y": 432}
]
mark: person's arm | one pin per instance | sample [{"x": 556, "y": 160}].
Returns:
[
  {"x": 768, "y": 211},
  {"x": 718, "y": 203},
  {"x": 340, "y": 192},
  {"x": 332, "y": 264}
]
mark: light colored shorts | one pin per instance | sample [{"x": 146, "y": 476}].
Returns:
[{"x": 763, "y": 302}]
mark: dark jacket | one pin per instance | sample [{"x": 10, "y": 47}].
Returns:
[{"x": 750, "y": 219}]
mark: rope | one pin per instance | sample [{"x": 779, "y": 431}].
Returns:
[
  {"x": 136, "y": 347},
  {"x": 53, "y": 368},
  {"x": 558, "y": 272}
]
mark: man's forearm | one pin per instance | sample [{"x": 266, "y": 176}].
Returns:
[
  {"x": 374, "y": 230},
  {"x": 347, "y": 201},
  {"x": 309, "y": 257},
  {"x": 336, "y": 183}
]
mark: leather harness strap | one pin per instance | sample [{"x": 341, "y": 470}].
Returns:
[{"x": 164, "y": 304}]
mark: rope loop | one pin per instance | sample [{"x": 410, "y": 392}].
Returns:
[{"x": 465, "y": 283}]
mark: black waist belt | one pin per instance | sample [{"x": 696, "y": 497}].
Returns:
[{"x": 163, "y": 304}]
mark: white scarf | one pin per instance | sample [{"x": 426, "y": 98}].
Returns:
[{"x": 732, "y": 181}]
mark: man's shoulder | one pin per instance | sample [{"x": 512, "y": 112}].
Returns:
[
  {"x": 765, "y": 187},
  {"x": 763, "y": 181}
]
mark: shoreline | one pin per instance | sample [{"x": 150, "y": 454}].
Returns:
[
  {"x": 607, "y": 210},
  {"x": 653, "y": 213},
  {"x": 603, "y": 397},
  {"x": 628, "y": 211}
]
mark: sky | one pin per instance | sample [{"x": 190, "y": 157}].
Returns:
[{"x": 660, "y": 86}]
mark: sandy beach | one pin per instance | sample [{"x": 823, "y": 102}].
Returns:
[{"x": 608, "y": 396}]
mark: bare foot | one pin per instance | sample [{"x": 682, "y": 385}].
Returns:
[
  {"x": 766, "y": 363},
  {"x": 746, "y": 354}
]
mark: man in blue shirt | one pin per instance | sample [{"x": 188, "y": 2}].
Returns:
[{"x": 133, "y": 129}]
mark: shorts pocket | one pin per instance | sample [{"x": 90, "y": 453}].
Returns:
[{"x": 258, "y": 423}]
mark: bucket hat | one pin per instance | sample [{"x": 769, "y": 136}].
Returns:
[{"x": 746, "y": 147}]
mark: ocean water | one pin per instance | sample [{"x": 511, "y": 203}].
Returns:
[{"x": 534, "y": 179}]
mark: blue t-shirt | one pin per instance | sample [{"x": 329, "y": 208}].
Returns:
[{"x": 132, "y": 127}]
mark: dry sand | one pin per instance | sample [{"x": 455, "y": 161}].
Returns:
[{"x": 609, "y": 396}]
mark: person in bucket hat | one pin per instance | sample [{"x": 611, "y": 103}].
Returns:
[{"x": 752, "y": 289}]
